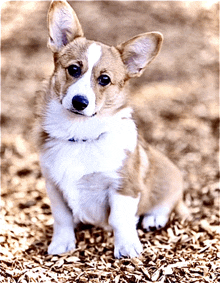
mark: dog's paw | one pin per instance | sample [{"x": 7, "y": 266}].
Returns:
[
  {"x": 154, "y": 222},
  {"x": 131, "y": 247},
  {"x": 61, "y": 245}
]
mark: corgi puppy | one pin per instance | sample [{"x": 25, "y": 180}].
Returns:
[{"x": 98, "y": 168}]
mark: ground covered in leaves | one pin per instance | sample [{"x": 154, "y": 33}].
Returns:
[{"x": 176, "y": 102}]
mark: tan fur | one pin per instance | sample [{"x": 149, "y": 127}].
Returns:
[
  {"x": 107, "y": 100},
  {"x": 146, "y": 174},
  {"x": 155, "y": 180},
  {"x": 154, "y": 176}
]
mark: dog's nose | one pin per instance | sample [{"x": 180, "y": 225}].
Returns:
[{"x": 80, "y": 102}]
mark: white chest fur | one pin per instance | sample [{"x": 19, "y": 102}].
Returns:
[{"x": 84, "y": 171}]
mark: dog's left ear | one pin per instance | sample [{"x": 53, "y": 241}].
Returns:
[
  {"x": 63, "y": 25},
  {"x": 139, "y": 51}
]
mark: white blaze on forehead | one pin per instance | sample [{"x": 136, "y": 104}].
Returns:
[
  {"x": 83, "y": 85},
  {"x": 93, "y": 54}
]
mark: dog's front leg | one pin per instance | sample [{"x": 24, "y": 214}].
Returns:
[
  {"x": 63, "y": 228},
  {"x": 123, "y": 220}
]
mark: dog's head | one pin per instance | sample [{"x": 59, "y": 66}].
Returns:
[{"x": 89, "y": 77}]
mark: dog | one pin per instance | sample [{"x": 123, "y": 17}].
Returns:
[{"x": 97, "y": 166}]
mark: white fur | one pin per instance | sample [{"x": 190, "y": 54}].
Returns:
[
  {"x": 123, "y": 219},
  {"x": 157, "y": 218},
  {"x": 83, "y": 85},
  {"x": 63, "y": 228},
  {"x": 59, "y": 124},
  {"x": 71, "y": 161},
  {"x": 83, "y": 171}
]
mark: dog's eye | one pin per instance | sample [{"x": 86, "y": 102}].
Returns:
[
  {"x": 104, "y": 80},
  {"x": 74, "y": 71}
]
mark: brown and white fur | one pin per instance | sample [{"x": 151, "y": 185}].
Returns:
[{"x": 97, "y": 167}]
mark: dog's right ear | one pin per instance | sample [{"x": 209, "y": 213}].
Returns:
[{"x": 63, "y": 25}]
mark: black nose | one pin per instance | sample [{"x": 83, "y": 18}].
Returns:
[{"x": 80, "y": 102}]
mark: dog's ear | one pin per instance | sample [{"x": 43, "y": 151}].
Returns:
[
  {"x": 139, "y": 51},
  {"x": 63, "y": 25}
]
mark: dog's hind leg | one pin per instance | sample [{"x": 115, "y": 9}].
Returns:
[{"x": 157, "y": 218}]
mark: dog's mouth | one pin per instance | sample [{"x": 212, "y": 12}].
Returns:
[{"x": 81, "y": 113}]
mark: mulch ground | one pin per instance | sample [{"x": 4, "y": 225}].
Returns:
[{"x": 176, "y": 103}]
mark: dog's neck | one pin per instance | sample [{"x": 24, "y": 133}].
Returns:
[
  {"x": 60, "y": 124},
  {"x": 86, "y": 140}
]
